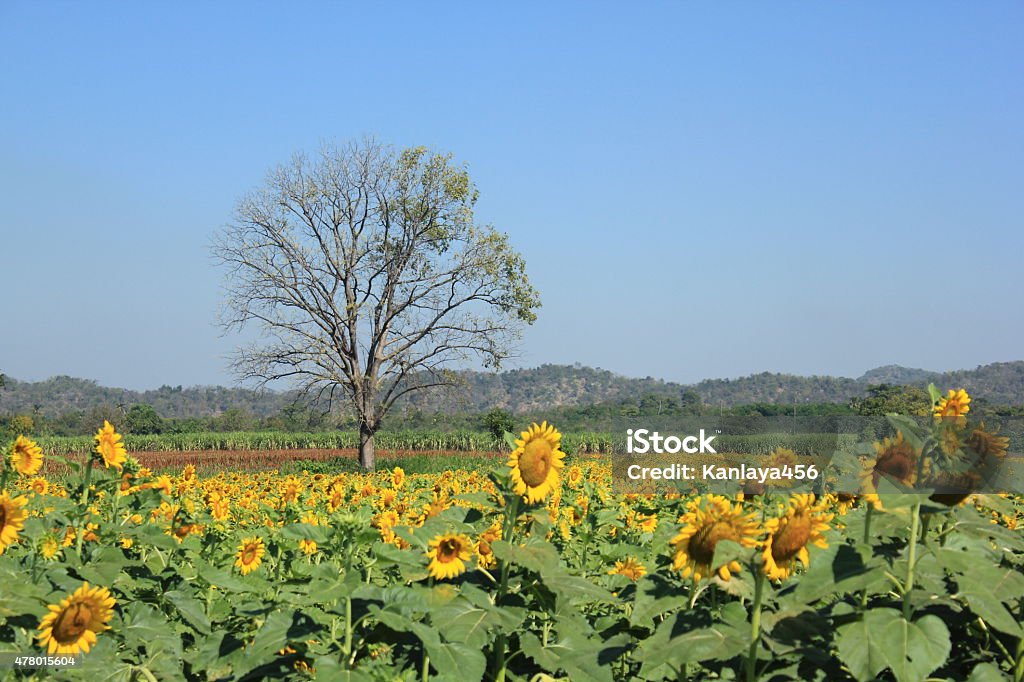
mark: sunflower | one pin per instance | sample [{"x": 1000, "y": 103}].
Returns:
[
  {"x": 70, "y": 535},
  {"x": 644, "y": 523},
  {"x": 707, "y": 521},
  {"x": 535, "y": 462},
  {"x": 71, "y": 626},
  {"x": 448, "y": 555},
  {"x": 397, "y": 478},
  {"x": 306, "y": 545},
  {"x": 987, "y": 444},
  {"x": 250, "y": 555},
  {"x": 895, "y": 459},
  {"x": 336, "y": 497},
  {"x": 26, "y": 456},
  {"x": 779, "y": 459},
  {"x": 954, "y": 404},
  {"x": 630, "y": 567},
  {"x": 49, "y": 548},
  {"x": 952, "y": 487},
  {"x": 12, "y": 519},
  {"x": 751, "y": 489},
  {"x": 949, "y": 443},
  {"x": 484, "y": 553},
  {"x": 386, "y": 499},
  {"x": 110, "y": 447},
  {"x": 39, "y": 485},
  {"x": 182, "y": 531},
  {"x": 575, "y": 476},
  {"x": 163, "y": 484},
  {"x": 433, "y": 508},
  {"x": 844, "y": 502},
  {"x": 801, "y": 525}
]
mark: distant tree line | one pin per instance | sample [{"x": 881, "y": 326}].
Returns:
[{"x": 144, "y": 419}]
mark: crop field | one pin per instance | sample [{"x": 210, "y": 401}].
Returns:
[
  {"x": 528, "y": 567},
  {"x": 402, "y": 441},
  {"x": 316, "y": 460}
]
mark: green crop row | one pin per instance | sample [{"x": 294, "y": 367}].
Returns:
[
  {"x": 422, "y": 441},
  {"x": 461, "y": 441}
]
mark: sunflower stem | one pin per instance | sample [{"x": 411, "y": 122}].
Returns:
[
  {"x": 867, "y": 542},
  {"x": 146, "y": 673},
  {"x": 348, "y": 627},
  {"x": 755, "y": 625},
  {"x": 86, "y": 478},
  {"x": 908, "y": 584},
  {"x": 1018, "y": 673},
  {"x": 508, "y": 531}
]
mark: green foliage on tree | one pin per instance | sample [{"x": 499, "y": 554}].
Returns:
[
  {"x": 142, "y": 419},
  {"x": 498, "y": 422},
  {"x": 371, "y": 278},
  {"x": 891, "y": 399}
]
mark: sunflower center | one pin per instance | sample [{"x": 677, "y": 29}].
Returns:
[
  {"x": 3, "y": 516},
  {"x": 535, "y": 462},
  {"x": 71, "y": 623},
  {"x": 249, "y": 554},
  {"x": 896, "y": 463},
  {"x": 791, "y": 538},
  {"x": 447, "y": 550},
  {"x": 702, "y": 543}
]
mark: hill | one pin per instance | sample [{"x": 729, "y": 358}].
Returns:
[
  {"x": 522, "y": 390},
  {"x": 61, "y": 394}
]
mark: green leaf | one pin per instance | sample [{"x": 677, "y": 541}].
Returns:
[
  {"x": 397, "y": 599},
  {"x": 536, "y": 557},
  {"x": 214, "y": 654},
  {"x": 677, "y": 642},
  {"x": 582, "y": 658},
  {"x": 840, "y": 569},
  {"x": 305, "y": 531},
  {"x": 572, "y": 588},
  {"x": 909, "y": 428},
  {"x": 463, "y": 622},
  {"x": 653, "y": 597},
  {"x": 986, "y": 672},
  {"x": 229, "y": 582},
  {"x": 146, "y": 627},
  {"x": 279, "y": 628},
  {"x": 986, "y": 588},
  {"x": 455, "y": 661},
  {"x": 190, "y": 609},
  {"x": 883, "y": 639}
]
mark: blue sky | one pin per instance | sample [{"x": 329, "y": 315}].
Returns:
[{"x": 700, "y": 189}]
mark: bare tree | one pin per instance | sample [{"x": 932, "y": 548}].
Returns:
[{"x": 369, "y": 278}]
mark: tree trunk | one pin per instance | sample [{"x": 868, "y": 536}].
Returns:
[{"x": 367, "y": 455}]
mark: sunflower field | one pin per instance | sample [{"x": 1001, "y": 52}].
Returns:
[{"x": 531, "y": 569}]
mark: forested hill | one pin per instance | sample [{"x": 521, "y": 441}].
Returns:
[
  {"x": 523, "y": 390},
  {"x": 62, "y": 394}
]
